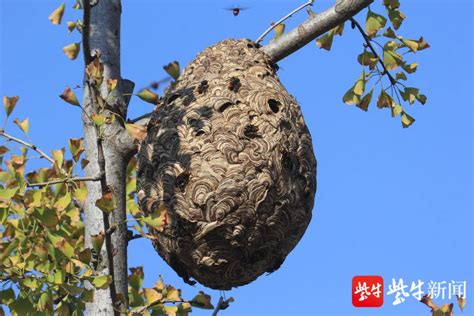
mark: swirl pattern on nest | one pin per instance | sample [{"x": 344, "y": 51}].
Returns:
[{"x": 230, "y": 156}]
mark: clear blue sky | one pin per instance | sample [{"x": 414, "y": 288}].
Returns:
[{"x": 392, "y": 202}]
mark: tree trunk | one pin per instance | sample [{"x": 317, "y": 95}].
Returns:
[{"x": 102, "y": 35}]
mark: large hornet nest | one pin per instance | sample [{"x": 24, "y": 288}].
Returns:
[{"x": 230, "y": 157}]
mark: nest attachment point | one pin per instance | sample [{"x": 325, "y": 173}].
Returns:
[{"x": 229, "y": 155}]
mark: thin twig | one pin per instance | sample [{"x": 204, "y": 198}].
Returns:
[
  {"x": 222, "y": 304},
  {"x": 144, "y": 116},
  {"x": 310, "y": 2},
  {"x": 368, "y": 41},
  {"x": 26, "y": 144},
  {"x": 65, "y": 180}
]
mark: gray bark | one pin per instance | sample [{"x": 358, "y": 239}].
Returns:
[
  {"x": 313, "y": 27},
  {"x": 117, "y": 147}
]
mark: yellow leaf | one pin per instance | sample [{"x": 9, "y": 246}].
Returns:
[
  {"x": 138, "y": 132},
  {"x": 391, "y": 59},
  {"x": 81, "y": 194},
  {"x": 461, "y": 302},
  {"x": 77, "y": 5},
  {"x": 58, "y": 156},
  {"x": 95, "y": 70},
  {"x": 56, "y": 16},
  {"x": 69, "y": 97},
  {"x": 111, "y": 84},
  {"x": 359, "y": 86},
  {"x": 279, "y": 29},
  {"x": 98, "y": 119},
  {"x": 107, "y": 203},
  {"x": 396, "y": 109},
  {"x": 407, "y": 120},
  {"x": 173, "y": 69},
  {"x": 148, "y": 96},
  {"x": 374, "y": 22},
  {"x": 202, "y": 300},
  {"x": 173, "y": 294},
  {"x": 411, "y": 68},
  {"x": 151, "y": 296},
  {"x": 71, "y": 26},
  {"x": 9, "y": 104},
  {"x": 72, "y": 50},
  {"x": 411, "y": 44},
  {"x": 422, "y": 44},
  {"x": 24, "y": 126}
]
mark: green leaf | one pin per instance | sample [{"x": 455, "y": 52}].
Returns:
[
  {"x": 350, "y": 97},
  {"x": 101, "y": 282},
  {"x": 364, "y": 103},
  {"x": 97, "y": 241},
  {"x": 7, "y": 296},
  {"x": 9, "y": 104},
  {"x": 411, "y": 94},
  {"x": 390, "y": 33},
  {"x": 391, "y": 58},
  {"x": 173, "y": 69},
  {"x": 396, "y": 17},
  {"x": 56, "y": 16},
  {"x": 135, "y": 279},
  {"x": 202, "y": 300},
  {"x": 47, "y": 217},
  {"x": 384, "y": 100},
  {"x": 367, "y": 59},
  {"x": 158, "y": 219},
  {"x": 45, "y": 302},
  {"x": 325, "y": 41},
  {"x": 391, "y": 4},
  {"x": 374, "y": 22},
  {"x": 401, "y": 76},
  {"x": 57, "y": 277}
]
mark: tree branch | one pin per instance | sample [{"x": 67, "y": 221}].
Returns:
[
  {"x": 313, "y": 27},
  {"x": 22, "y": 142},
  {"x": 372, "y": 49},
  {"x": 260, "y": 38},
  {"x": 66, "y": 180}
]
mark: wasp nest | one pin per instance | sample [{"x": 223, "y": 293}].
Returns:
[{"x": 229, "y": 155}]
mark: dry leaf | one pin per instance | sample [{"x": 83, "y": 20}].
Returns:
[
  {"x": 72, "y": 50},
  {"x": 56, "y": 16}
]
